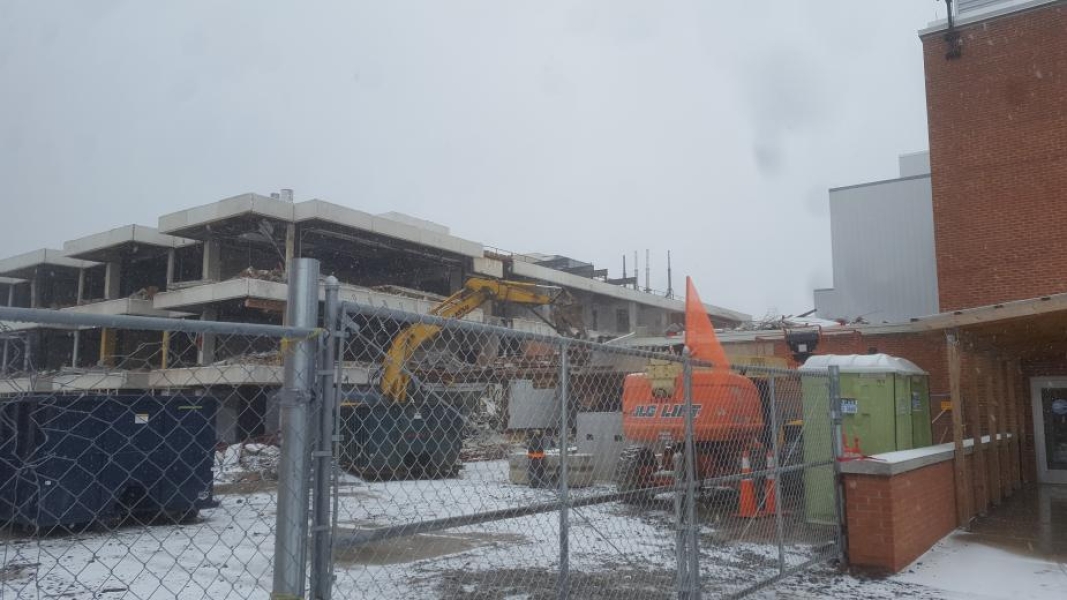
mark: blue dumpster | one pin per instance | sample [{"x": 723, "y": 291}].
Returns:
[{"x": 74, "y": 460}]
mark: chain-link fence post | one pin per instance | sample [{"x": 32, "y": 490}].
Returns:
[
  {"x": 692, "y": 550},
  {"x": 290, "y": 541},
  {"x": 834, "y": 390},
  {"x": 564, "y": 490},
  {"x": 682, "y": 562},
  {"x": 774, "y": 477},
  {"x": 321, "y": 524}
]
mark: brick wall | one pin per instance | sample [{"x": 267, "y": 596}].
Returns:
[
  {"x": 894, "y": 520},
  {"x": 998, "y": 152}
]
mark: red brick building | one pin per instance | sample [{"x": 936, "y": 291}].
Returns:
[{"x": 997, "y": 118}]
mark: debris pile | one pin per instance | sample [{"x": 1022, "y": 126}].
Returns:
[
  {"x": 405, "y": 292},
  {"x": 276, "y": 274},
  {"x": 145, "y": 293},
  {"x": 238, "y": 463},
  {"x": 484, "y": 444},
  {"x": 775, "y": 322},
  {"x": 484, "y": 439}
]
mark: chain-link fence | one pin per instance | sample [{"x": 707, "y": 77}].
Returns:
[
  {"x": 140, "y": 457},
  {"x": 394, "y": 454},
  {"x": 481, "y": 462}
]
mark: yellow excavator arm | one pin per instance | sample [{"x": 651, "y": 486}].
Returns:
[{"x": 476, "y": 292}]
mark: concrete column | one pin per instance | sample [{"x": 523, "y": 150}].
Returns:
[
  {"x": 11, "y": 295},
  {"x": 633, "y": 316},
  {"x": 171, "y": 255},
  {"x": 77, "y": 347},
  {"x": 108, "y": 346},
  {"x": 212, "y": 268},
  {"x": 206, "y": 353},
  {"x": 35, "y": 302},
  {"x": 291, "y": 251},
  {"x": 81, "y": 285},
  {"x": 112, "y": 281},
  {"x": 3, "y": 365}
]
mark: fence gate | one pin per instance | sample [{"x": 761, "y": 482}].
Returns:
[{"x": 483, "y": 462}]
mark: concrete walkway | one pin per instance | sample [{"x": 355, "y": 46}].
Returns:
[{"x": 1017, "y": 552}]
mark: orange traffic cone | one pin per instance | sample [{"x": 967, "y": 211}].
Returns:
[
  {"x": 770, "y": 488},
  {"x": 746, "y": 506}
]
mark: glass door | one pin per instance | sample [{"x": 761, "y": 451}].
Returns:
[{"x": 1049, "y": 396}]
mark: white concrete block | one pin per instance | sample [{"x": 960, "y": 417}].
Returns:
[{"x": 489, "y": 266}]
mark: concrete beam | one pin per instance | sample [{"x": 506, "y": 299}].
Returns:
[
  {"x": 235, "y": 289},
  {"x": 24, "y": 266},
  {"x": 576, "y": 282},
  {"x": 358, "y": 220},
  {"x": 489, "y": 267},
  {"x": 101, "y": 246},
  {"x": 125, "y": 306},
  {"x": 195, "y": 220}
]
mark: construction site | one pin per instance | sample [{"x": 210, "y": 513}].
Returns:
[
  {"x": 225, "y": 261},
  {"x": 296, "y": 398}
]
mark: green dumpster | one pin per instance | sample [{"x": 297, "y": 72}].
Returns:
[{"x": 885, "y": 405}]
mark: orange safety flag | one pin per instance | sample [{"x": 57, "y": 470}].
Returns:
[{"x": 699, "y": 332}]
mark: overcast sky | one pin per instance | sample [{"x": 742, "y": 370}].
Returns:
[{"x": 590, "y": 129}]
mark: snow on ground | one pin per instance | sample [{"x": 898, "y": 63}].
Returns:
[
  {"x": 227, "y": 553},
  {"x": 959, "y": 567},
  {"x": 616, "y": 551},
  {"x": 964, "y": 565}
]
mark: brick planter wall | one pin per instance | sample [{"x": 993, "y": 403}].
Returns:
[
  {"x": 899, "y": 504},
  {"x": 893, "y": 520}
]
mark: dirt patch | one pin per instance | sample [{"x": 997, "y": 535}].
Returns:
[
  {"x": 617, "y": 581},
  {"x": 832, "y": 583},
  {"x": 15, "y": 570},
  {"x": 420, "y": 547}
]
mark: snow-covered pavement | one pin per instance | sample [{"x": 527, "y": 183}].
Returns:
[{"x": 616, "y": 551}]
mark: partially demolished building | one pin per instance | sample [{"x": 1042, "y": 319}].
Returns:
[{"x": 226, "y": 261}]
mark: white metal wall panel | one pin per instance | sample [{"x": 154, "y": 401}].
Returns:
[{"x": 885, "y": 268}]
